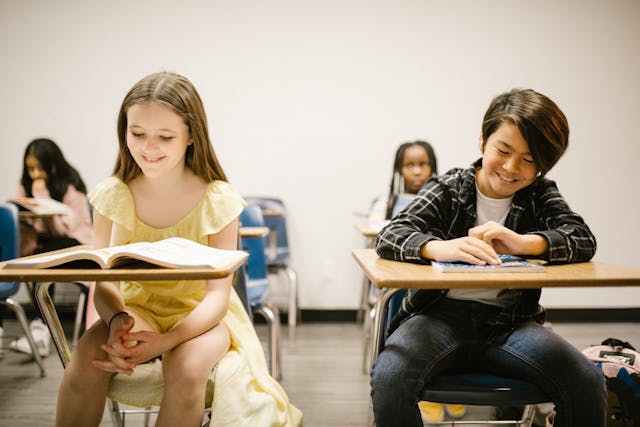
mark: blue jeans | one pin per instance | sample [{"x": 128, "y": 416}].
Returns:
[{"x": 453, "y": 335}]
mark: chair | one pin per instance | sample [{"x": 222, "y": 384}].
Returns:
[
  {"x": 153, "y": 371},
  {"x": 257, "y": 284},
  {"x": 278, "y": 252},
  {"x": 474, "y": 388},
  {"x": 9, "y": 249}
]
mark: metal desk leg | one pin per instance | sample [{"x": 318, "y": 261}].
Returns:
[{"x": 52, "y": 320}]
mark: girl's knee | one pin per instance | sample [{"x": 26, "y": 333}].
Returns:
[{"x": 185, "y": 383}]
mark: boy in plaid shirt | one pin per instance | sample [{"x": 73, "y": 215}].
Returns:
[{"x": 502, "y": 204}]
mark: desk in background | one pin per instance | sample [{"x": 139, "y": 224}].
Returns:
[
  {"x": 392, "y": 276},
  {"x": 254, "y": 231}
]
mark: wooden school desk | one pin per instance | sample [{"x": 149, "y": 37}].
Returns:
[
  {"x": 45, "y": 277},
  {"x": 391, "y": 276},
  {"x": 254, "y": 231}
]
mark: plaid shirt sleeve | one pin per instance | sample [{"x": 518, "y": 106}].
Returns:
[
  {"x": 568, "y": 236},
  {"x": 426, "y": 218}
]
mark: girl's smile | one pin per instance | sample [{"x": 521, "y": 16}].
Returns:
[{"x": 157, "y": 138}]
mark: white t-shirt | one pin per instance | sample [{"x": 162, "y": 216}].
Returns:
[{"x": 488, "y": 209}]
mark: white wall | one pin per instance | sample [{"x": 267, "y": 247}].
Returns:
[{"x": 309, "y": 100}]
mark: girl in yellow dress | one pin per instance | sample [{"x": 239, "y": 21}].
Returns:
[{"x": 167, "y": 182}]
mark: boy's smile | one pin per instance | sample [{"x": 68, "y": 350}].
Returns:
[{"x": 507, "y": 164}]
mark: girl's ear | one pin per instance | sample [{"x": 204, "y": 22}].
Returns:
[{"x": 481, "y": 143}]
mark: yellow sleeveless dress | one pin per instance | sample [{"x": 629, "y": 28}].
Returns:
[{"x": 241, "y": 392}]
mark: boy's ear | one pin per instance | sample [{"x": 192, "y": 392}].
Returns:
[{"x": 481, "y": 143}]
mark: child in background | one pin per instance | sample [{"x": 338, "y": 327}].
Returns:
[
  {"x": 502, "y": 204},
  {"x": 414, "y": 163},
  {"x": 47, "y": 174},
  {"x": 167, "y": 182}
]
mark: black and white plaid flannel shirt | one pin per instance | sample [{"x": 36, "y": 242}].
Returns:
[{"x": 445, "y": 209}]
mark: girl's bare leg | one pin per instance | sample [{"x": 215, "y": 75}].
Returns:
[
  {"x": 186, "y": 370},
  {"x": 83, "y": 389}
]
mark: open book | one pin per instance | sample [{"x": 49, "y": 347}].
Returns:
[
  {"x": 174, "y": 252},
  {"x": 510, "y": 264},
  {"x": 41, "y": 206}
]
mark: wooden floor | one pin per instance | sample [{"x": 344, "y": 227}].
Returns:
[{"x": 322, "y": 374}]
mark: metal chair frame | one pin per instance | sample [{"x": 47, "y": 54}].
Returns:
[{"x": 9, "y": 249}]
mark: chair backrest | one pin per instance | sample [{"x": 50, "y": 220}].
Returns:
[
  {"x": 9, "y": 243},
  {"x": 257, "y": 282},
  {"x": 278, "y": 226}
]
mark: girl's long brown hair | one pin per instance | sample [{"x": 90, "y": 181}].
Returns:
[{"x": 177, "y": 93}]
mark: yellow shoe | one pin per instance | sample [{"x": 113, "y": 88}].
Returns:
[
  {"x": 431, "y": 412},
  {"x": 456, "y": 411}
]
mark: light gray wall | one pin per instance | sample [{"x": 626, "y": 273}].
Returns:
[{"x": 309, "y": 100}]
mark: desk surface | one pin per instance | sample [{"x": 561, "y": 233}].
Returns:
[
  {"x": 366, "y": 229},
  {"x": 254, "y": 231},
  {"x": 394, "y": 274}
]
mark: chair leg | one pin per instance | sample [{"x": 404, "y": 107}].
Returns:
[
  {"x": 82, "y": 300},
  {"x": 528, "y": 415},
  {"x": 117, "y": 418},
  {"x": 271, "y": 315},
  {"x": 364, "y": 300},
  {"x": 147, "y": 417},
  {"x": 293, "y": 302},
  {"x": 22, "y": 319},
  {"x": 366, "y": 350}
]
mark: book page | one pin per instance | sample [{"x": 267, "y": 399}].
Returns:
[
  {"x": 170, "y": 253},
  {"x": 52, "y": 260},
  {"x": 43, "y": 206},
  {"x": 176, "y": 252}
]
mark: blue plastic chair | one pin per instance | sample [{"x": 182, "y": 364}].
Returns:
[
  {"x": 468, "y": 388},
  {"x": 278, "y": 252},
  {"x": 257, "y": 284},
  {"x": 9, "y": 249}
]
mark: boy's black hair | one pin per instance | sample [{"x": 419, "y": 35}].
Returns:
[
  {"x": 397, "y": 181},
  {"x": 59, "y": 172},
  {"x": 540, "y": 121}
]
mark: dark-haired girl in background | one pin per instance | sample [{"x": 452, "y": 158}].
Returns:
[
  {"x": 414, "y": 163},
  {"x": 47, "y": 174}
]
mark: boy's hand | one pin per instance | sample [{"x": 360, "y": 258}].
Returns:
[
  {"x": 506, "y": 241},
  {"x": 466, "y": 249}
]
